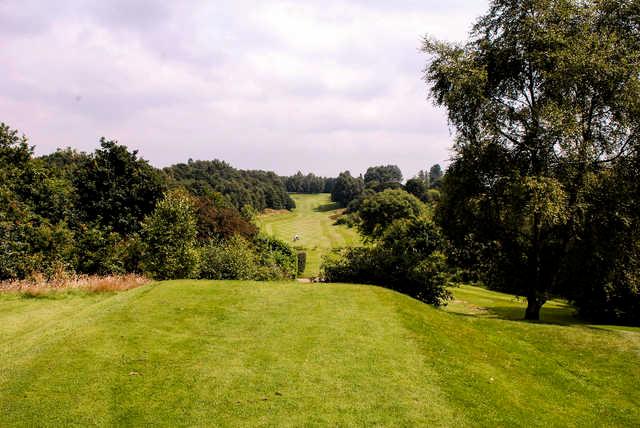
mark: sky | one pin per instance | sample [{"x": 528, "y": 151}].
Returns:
[{"x": 317, "y": 86}]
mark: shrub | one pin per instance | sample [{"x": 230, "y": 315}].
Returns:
[
  {"x": 30, "y": 243},
  {"x": 408, "y": 259},
  {"x": 353, "y": 265},
  {"x": 230, "y": 259},
  {"x": 277, "y": 256},
  {"x": 99, "y": 252},
  {"x": 169, "y": 235},
  {"x": 265, "y": 258},
  {"x": 302, "y": 262},
  {"x": 378, "y": 211}
]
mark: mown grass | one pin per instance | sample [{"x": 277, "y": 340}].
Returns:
[
  {"x": 313, "y": 221},
  {"x": 194, "y": 353}
]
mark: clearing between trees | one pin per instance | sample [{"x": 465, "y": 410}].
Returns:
[
  {"x": 313, "y": 222},
  {"x": 194, "y": 353}
]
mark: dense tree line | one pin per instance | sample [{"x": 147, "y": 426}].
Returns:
[
  {"x": 257, "y": 189},
  {"x": 350, "y": 191},
  {"x": 310, "y": 183},
  {"x": 111, "y": 212}
]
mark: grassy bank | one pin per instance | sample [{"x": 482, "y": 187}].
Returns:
[{"x": 187, "y": 353}]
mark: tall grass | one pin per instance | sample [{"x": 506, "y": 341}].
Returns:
[{"x": 38, "y": 284}]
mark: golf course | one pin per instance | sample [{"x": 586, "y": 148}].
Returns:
[
  {"x": 284, "y": 353},
  {"x": 312, "y": 221},
  {"x": 194, "y": 353}
]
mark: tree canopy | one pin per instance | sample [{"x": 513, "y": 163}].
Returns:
[
  {"x": 347, "y": 188},
  {"x": 383, "y": 174},
  {"x": 258, "y": 189},
  {"x": 544, "y": 99}
]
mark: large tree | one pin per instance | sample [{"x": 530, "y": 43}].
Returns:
[
  {"x": 382, "y": 174},
  {"x": 346, "y": 188},
  {"x": 543, "y": 97},
  {"x": 116, "y": 189}
]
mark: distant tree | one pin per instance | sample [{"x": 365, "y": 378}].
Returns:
[
  {"x": 116, "y": 189},
  {"x": 417, "y": 187},
  {"x": 329, "y": 184},
  {"x": 65, "y": 161},
  {"x": 383, "y": 174},
  {"x": 260, "y": 189},
  {"x": 378, "y": 211},
  {"x": 346, "y": 188},
  {"x": 310, "y": 183},
  {"x": 423, "y": 176},
  {"x": 435, "y": 175}
]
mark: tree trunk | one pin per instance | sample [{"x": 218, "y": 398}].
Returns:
[
  {"x": 535, "y": 299},
  {"x": 534, "y": 304}
]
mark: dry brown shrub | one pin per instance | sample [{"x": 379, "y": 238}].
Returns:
[{"x": 37, "y": 284}]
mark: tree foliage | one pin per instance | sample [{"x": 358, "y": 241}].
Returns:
[
  {"x": 347, "y": 188},
  {"x": 408, "y": 257},
  {"x": 435, "y": 175},
  {"x": 258, "y": 189},
  {"x": 115, "y": 188},
  {"x": 310, "y": 183},
  {"x": 170, "y": 237},
  {"x": 543, "y": 97},
  {"x": 378, "y": 211},
  {"x": 382, "y": 174}
]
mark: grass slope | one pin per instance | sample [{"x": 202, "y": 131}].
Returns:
[
  {"x": 312, "y": 222},
  {"x": 188, "y": 353}
]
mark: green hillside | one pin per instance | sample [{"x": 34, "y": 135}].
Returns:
[
  {"x": 312, "y": 220},
  {"x": 188, "y": 353}
]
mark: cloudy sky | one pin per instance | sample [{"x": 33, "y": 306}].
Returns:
[{"x": 316, "y": 85}]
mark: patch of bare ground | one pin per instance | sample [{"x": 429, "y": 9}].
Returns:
[
  {"x": 269, "y": 211},
  {"x": 339, "y": 213}
]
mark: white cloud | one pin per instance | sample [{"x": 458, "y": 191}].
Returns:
[{"x": 320, "y": 86}]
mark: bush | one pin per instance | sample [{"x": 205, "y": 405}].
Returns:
[
  {"x": 169, "y": 235},
  {"x": 230, "y": 259},
  {"x": 302, "y": 262},
  {"x": 360, "y": 265},
  {"x": 277, "y": 257},
  {"x": 99, "y": 252},
  {"x": 263, "y": 259},
  {"x": 378, "y": 211},
  {"x": 216, "y": 221},
  {"x": 31, "y": 244},
  {"x": 408, "y": 259}
]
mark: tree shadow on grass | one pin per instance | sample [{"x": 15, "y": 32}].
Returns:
[{"x": 559, "y": 314}]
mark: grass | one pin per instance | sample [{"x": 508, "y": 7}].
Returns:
[
  {"x": 195, "y": 353},
  {"x": 312, "y": 221}
]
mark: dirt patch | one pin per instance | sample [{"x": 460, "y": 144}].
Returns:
[
  {"x": 269, "y": 211},
  {"x": 338, "y": 214}
]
